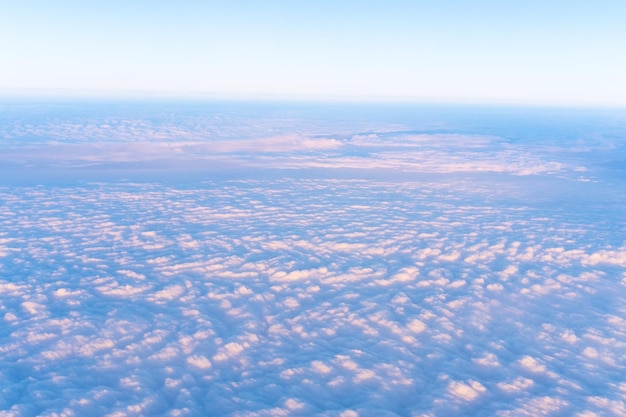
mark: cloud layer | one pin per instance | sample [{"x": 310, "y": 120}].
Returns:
[
  {"x": 295, "y": 294},
  {"x": 212, "y": 138},
  {"x": 305, "y": 297}
]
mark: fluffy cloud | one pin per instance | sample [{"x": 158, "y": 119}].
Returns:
[{"x": 308, "y": 293}]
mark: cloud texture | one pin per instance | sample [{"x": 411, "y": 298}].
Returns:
[{"x": 447, "y": 294}]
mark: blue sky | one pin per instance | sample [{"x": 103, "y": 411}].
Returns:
[{"x": 532, "y": 51}]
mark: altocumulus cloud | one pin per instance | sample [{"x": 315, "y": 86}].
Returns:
[
  {"x": 302, "y": 297},
  {"x": 456, "y": 285}
]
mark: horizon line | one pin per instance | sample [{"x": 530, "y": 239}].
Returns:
[{"x": 142, "y": 95}]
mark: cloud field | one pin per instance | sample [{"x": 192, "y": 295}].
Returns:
[{"x": 485, "y": 285}]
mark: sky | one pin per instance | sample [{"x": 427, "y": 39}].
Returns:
[{"x": 540, "y": 52}]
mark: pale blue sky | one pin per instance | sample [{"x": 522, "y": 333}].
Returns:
[{"x": 567, "y": 52}]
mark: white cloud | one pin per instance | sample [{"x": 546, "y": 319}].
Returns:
[
  {"x": 229, "y": 350},
  {"x": 32, "y": 307},
  {"x": 416, "y": 326},
  {"x": 532, "y": 364},
  {"x": 489, "y": 359},
  {"x": 131, "y": 274},
  {"x": 537, "y": 406},
  {"x": 611, "y": 257},
  {"x": 116, "y": 290},
  {"x": 252, "y": 292},
  {"x": 171, "y": 292},
  {"x": 466, "y": 391},
  {"x": 518, "y": 384},
  {"x": 199, "y": 361},
  {"x": 321, "y": 367},
  {"x": 11, "y": 288}
]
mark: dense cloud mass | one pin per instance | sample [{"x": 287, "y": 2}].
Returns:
[{"x": 479, "y": 276}]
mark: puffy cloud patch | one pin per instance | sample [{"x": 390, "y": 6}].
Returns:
[
  {"x": 310, "y": 312},
  {"x": 466, "y": 391},
  {"x": 420, "y": 274}
]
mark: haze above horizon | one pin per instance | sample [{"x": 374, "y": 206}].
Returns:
[{"x": 532, "y": 52}]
